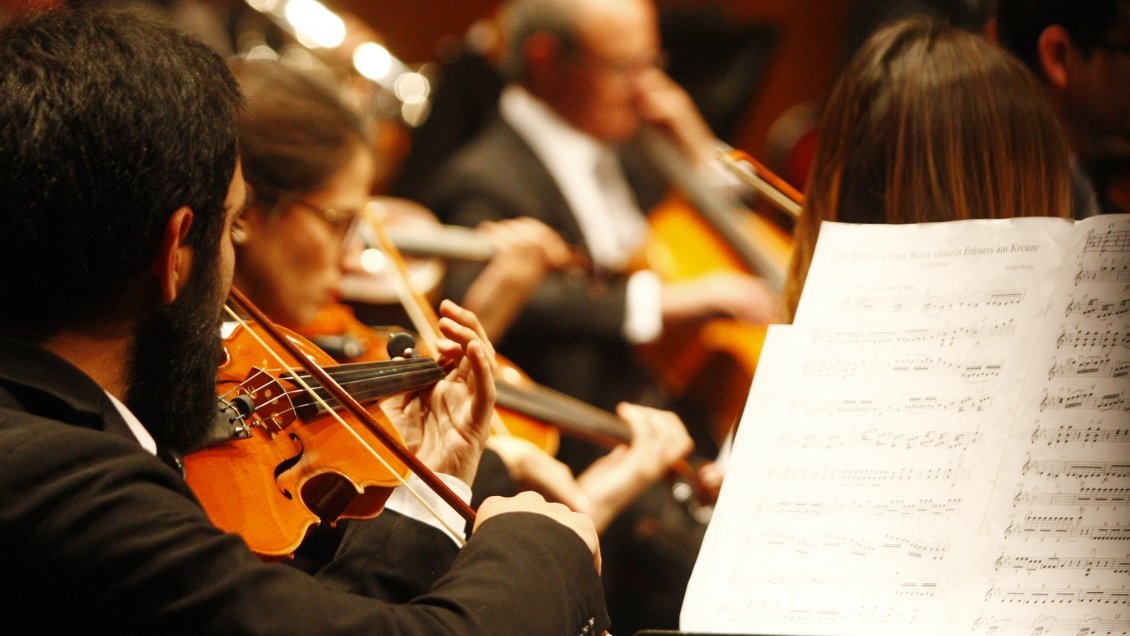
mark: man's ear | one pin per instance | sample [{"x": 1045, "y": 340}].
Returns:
[
  {"x": 991, "y": 31},
  {"x": 1054, "y": 46},
  {"x": 173, "y": 262},
  {"x": 542, "y": 52}
]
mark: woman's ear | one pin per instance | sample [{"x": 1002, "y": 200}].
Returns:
[
  {"x": 239, "y": 230},
  {"x": 245, "y": 226}
]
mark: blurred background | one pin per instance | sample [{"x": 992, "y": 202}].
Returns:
[{"x": 757, "y": 69}]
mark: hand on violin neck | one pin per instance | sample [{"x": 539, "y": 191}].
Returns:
[
  {"x": 659, "y": 439},
  {"x": 447, "y": 425},
  {"x": 460, "y": 327}
]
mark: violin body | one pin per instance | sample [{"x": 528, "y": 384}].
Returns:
[{"x": 289, "y": 472}]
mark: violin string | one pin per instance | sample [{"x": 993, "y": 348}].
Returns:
[
  {"x": 360, "y": 395},
  {"x": 402, "y": 481}
]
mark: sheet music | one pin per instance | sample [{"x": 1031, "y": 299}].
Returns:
[
  {"x": 1060, "y": 562},
  {"x": 861, "y": 493}
]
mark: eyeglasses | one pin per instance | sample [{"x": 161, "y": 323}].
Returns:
[
  {"x": 340, "y": 220},
  {"x": 624, "y": 67}
]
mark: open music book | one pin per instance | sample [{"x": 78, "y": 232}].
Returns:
[{"x": 939, "y": 444}]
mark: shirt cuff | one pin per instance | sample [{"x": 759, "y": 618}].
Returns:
[
  {"x": 405, "y": 503},
  {"x": 643, "y": 316}
]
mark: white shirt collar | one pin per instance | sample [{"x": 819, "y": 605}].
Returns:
[
  {"x": 553, "y": 139},
  {"x": 135, "y": 426},
  {"x": 604, "y": 206}
]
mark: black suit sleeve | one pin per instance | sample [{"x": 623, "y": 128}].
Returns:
[
  {"x": 391, "y": 558},
  {"x": 103, "y": 537}
]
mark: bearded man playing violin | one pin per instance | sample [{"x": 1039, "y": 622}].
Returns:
[{"x": 121, "y": 182}]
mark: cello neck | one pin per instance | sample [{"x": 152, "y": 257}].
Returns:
[{"x": 718, "y": 207}]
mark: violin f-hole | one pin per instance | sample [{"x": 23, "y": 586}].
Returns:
[{"x": 289, "y": 463}]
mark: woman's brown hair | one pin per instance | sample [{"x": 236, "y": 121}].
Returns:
[
  {"x": 296, "y": 130},
  {"x": 931, "y": 123}
]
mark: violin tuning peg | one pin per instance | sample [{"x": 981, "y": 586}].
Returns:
[{"x": 401, "y": 345}]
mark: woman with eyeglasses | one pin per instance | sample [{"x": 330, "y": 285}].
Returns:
[
  {"x": 310, "y": 170},
  {"x": 307, "y": 183}
]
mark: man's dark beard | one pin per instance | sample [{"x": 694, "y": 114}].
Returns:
[{"x": 176, "y": 353}]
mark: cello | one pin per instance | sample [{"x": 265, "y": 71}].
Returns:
[{"x": 710, "y": 364}]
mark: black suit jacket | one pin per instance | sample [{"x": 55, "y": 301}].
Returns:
[
  {"x": 101, "y": 536},
  {"x": 569, "y": 335}
]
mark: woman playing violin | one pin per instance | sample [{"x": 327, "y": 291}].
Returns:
[{"x": 310, "y": 170}]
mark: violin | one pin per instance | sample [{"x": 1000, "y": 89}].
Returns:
[{"x": 282, "y": 458}]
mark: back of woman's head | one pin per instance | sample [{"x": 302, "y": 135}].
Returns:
[
  {"x": 296, "y": 131},
  {"x": 932, "y": 123}
]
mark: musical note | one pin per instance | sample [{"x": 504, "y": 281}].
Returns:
[
  {"x": 1098, "y": 308},
  {"x": 1083, "y": 496},
  {"x": 943, "y": 336},
  {"x": 844, "y": 474},
  {"x": 1104, "y": 274},
  {"x": 1110, "y": 241},
  {"x": 1080, "y": 469},
  {"x": 917, "y": 549},
  {"x": 1068, "y": 434},
  {"x": 1071, "y": 527},
  {"x": 880, "y": 407},
  {"x": 1053, "y": 626},
  {"x": 1042, "y": 596},
  {"x": 921, "y": 507},
  {"x": 932, "y": 303},
  {"x": 970, "y": 371},
  {"x": 1094, "y": 339},
  {"x": 1098, "y": 366},
  {"x": 1033, "y": 563},
  {"x": 1086, "y": 400},
  {"x": 873, "y": 437}
]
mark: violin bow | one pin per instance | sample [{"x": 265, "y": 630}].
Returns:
[
  {"x": 351, "y": 404},
  {"x": 754, "y": 174}
]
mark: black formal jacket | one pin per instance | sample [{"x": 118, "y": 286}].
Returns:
[
  {"x": 100, "y": 536},
  {"x": 569, "y": 336}
]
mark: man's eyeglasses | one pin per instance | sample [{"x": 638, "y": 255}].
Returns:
[{"x": 625, "y": 67}]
